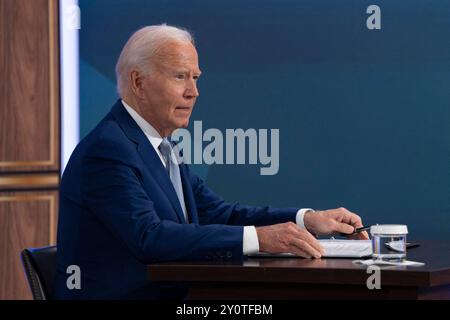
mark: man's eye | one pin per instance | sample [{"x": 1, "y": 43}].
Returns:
[{"x": 180, "y": 76}]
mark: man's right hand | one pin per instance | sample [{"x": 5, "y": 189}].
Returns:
[{"x": 288, "y": 237}]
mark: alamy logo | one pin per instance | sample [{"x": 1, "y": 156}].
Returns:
[
  {"x": 231, "y": 148},
  {"x": 73, "y": 17},
  {"x": 74, "y": 280},
  {"x": 374, "y": 281},
  {"x": 374, "y": 20}
]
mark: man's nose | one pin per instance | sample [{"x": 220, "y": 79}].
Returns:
[{"x": 191, "y": 89}]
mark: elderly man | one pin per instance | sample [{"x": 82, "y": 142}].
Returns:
[{"x": 125, "y": 202}]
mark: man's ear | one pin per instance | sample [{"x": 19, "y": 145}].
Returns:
[{"x": 136, "y": 81}]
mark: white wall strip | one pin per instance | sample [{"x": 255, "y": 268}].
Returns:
[{"x": 69, "y": 14}]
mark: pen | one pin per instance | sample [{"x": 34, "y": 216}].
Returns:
[{"x": 357, "y": 230}]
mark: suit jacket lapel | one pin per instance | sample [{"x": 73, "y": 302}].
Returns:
[{"x": 149, "y": 155}]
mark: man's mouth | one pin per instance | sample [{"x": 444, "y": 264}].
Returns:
[{"x": 184, "y": 108}]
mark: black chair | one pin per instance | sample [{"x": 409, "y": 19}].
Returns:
[{"x": 40, "y": 269}]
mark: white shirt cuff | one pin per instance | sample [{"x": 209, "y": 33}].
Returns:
[
  {"x": 300, "y": 217},
  {"x": 250, "y": 241}
]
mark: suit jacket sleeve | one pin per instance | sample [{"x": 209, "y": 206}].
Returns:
[{"x": 112, "y": 191}]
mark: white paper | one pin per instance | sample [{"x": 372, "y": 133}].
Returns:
[
  {"x": 406, "y": 263},
  {"x": 334, "y": 249},
  {"x": 347, "y": 248}
]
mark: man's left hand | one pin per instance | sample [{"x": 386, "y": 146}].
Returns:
[{"x": 335, "y": 221}]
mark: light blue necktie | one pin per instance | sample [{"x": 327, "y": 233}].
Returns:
[{"x": 174, "y": 172}]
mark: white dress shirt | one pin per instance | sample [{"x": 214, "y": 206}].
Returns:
[{"x": 250, "y": 237}]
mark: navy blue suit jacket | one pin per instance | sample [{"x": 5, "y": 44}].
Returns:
[{"x": 119, "y": 212}]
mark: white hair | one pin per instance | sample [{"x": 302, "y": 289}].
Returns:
[{"x": 140, "y": 49}]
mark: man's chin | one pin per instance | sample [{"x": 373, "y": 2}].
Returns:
[{"x": 183, "y": 124}]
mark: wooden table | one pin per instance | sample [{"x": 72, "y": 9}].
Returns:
[{"x": 296, "y": 278}]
